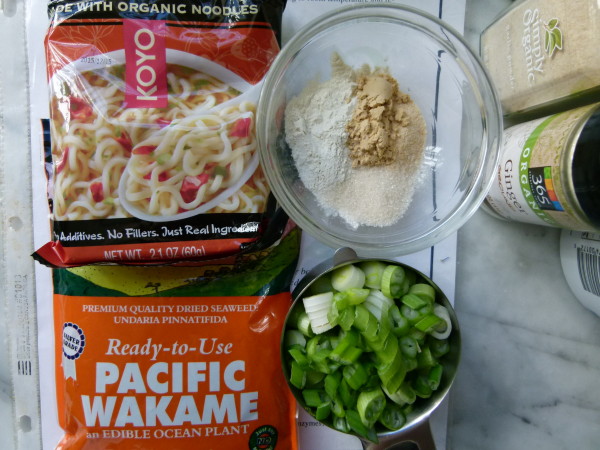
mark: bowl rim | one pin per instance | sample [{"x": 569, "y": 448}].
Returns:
[{"x": 492, "y": 122}]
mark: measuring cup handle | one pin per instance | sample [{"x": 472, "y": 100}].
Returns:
[{"x": 418, "y": 437}]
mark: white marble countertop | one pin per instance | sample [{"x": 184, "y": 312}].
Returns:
[{"x": 531, "y": 353}]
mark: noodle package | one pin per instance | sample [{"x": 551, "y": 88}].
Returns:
[
  {"x": 150, "y": 144},
  {"x": 175, "y": 357}
]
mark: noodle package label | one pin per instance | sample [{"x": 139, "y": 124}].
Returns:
[
  {"x": 172, "y": 369},
  {"x": 150, "y": 142}
]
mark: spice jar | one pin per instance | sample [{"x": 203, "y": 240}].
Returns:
[
  {"x": 549, "y": 171},
  {"x": 542, "y": 55}
]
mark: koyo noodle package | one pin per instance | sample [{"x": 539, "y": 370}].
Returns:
[
  {"x": 176, "y": 357},
  {"x": 150, "y": 143}
]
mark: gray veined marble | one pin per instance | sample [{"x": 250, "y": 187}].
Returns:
[{"x": 531, "y": 358}]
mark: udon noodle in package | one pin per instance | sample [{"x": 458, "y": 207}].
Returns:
[
  {"x": 151, "y": 136},
  {"x": 175, "y": 357}
]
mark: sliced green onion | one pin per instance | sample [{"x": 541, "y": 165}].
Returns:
[
  {"x": 410, "y": 364},
  {"x": 421, "y": 387},
  {"x": 317, "y": 302},
  {"x": 410, "y": 314},
  {"x": 333, "y": 315},
  {"x": 340, "y": 348},
  {"x": 435, "y": 376},
  {"x": 361, "y": 317},
  {"x": 320, "y": 355},
  {"x": 340, "y": 424},
  {"x": 312, "y": 346},
  {"x": 381, "y": 359},
  {"x": 303, "y": 325},
  {"x": 355, "y": 423},
  {"x": 355, "y": 375},
  {"x": 297, "y": 375},
  {"x": 331, "y": 383},
  {"x": 417, "y": 335},
  {"x": 323, "y": 411},
  {"x": 392, "y": 374},
  {"x": 373, "y": 271},
  {"x": 317, "y": 306},
  {"x": 337, "y": 408},
  {"x": 370, "y": 405},
  {"x": 294, "y": 337},
  {"x": 392, "y": 417},
  {"x": 341, "y": 300},
  {"x": 439, "y": 347},
  {"x": 314, "y": 377},
  {"x": 312, "y": 397},
  {"x": 297, "y": 353},
  {"x": 392, "y": 280},
  {"x": 351, "y": 355},
  {"x": 404, "y": 395},
  {"x": 372, "y": 328},
  {"x": 347, "y": 277},
  {"x": 442, "y": 312},
  {"x": 346, "y": 318},
  {"x": 389, "y": 351},
  {"x": 428, "y": 323},
  {"x": 378, "y": 304},
  {"x": 347, "y": 394},
  {"x": 423, "y": 290},
  {"x": 425, "y": 359},
  {"x": 425, "y": 310},
  {"x": 408, "y": 346},
  {"x": 356, "y": 295},
  {"x": 413, "y": 301}
]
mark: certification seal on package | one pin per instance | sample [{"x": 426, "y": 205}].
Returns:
[{"x": 73, "y": 343}]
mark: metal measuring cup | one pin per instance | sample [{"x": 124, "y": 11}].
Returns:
[{"x": 416, "y": 432}]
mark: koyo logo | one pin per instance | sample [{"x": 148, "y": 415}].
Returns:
[{"x": 145, "y": 63}]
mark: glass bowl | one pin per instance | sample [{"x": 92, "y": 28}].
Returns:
[{"x": 446, "y": 80}]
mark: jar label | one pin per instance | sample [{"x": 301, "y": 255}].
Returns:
[{"x": 530, "y": 185}]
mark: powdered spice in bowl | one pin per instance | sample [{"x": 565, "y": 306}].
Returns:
[
  {"x": 378, "y": 129},
  {"x": 346, "y": 155}
]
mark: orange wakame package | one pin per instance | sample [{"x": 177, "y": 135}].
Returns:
[
  {"x": 176, "y": 357},
  {"x": 150, "y": 145}
]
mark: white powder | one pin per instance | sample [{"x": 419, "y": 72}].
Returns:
[{"x": 315, "y": 127}]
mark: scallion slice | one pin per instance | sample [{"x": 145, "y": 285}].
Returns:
[
  {"x": 370, "y": 405},
  {"x": 392, "y": 417},
  {"x": 347, "y": 277},
  {"x": 373, "y": 271},
  {"x": 392, "y": 281}
]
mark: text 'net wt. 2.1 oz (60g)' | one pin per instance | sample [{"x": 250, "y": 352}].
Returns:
[
  {"x": 175, "y": 357},
  {"x": 150, "y": 143}
]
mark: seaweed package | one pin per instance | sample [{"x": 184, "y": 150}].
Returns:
[
  {"x": 175, "y": 357},
  {"x": 150, "y": 142}
]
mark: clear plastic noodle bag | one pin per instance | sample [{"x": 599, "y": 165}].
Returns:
[{"x": 150, "y": 139}]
